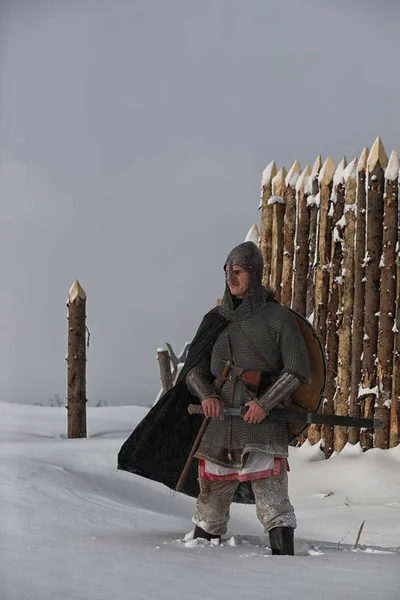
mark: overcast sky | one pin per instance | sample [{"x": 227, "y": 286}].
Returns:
[{"x": 133, "y": 135}]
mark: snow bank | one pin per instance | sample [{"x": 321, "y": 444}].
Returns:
[{"x": 75, "y": 528}]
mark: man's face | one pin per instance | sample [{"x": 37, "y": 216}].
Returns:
[{"x": 238, "y": 281}]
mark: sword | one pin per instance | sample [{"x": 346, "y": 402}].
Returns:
[{"x": 294, "y": 416}]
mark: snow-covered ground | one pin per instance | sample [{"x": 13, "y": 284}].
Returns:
[{"x": 74, "y": 528}]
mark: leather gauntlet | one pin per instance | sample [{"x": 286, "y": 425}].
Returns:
[
  {"x": 278, "y": 392},
  {"x": 200, "y": 386}
]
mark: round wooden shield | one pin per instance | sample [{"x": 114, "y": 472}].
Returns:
[{"x": 309, "y": 395}]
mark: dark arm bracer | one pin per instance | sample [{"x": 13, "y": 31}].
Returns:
[
  {"x": 278, "y": 392},
  {"x": 199, "y": 381}
]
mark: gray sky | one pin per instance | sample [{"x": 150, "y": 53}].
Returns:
[{"x": 133, "y": 135}]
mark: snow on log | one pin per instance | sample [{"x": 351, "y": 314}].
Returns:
[
  {"x": 302, "y": 236},
  {"x": 334, "y": 307},
  {"x": 392, "y": 170},
  {"x": 323, "y": 249},
  {"x": 342, "y": 396},
  {"x": 387, "y": 305},
  {"x": 313, "y": 207},
  {"x": 327, "y": 172},
  {"x": 314, "y": 431},
  {"x": 289, "y": 233},
  {"x": 359, "y": 294},
  {"x": 278, "y": 215},
  {"x": 266, "y": 220},
  {"x": 293, "y": 175},
  {"x": 338, "y": 177},
  {"x": 350, "y": 172},
  {"x": 394, "y": 408},
  {"x": 377, "y": 162}
]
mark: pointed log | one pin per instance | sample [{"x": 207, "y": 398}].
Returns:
[
  {"x": 266, "y": 220},
  {"x": 342, "y": 395},
  {"x": 289, "y": 233},
  {"x": 375, "y": 191},
  {"x": 302, "y": 238},
  {"x": 395, "y": 405},
  {"x": 76, "y": 397},
  {"x": 313, "y": 205},
  {"x": 377, "y": 156},
  {"x": 323, "y": 249},
  {"x": 164, "y": 363},
  {"x": 334, "y": 307},
  {"x": 355, "y": 408},
  {"x": 387, "y": 310},
  {"x": 253, "y": 235},
  {"x": 278, "y": 214}
]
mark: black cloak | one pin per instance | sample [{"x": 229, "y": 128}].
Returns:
[{"x": 159, "y": 446}]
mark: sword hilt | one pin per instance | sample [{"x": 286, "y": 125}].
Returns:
[{"x": 197, "y": 409}]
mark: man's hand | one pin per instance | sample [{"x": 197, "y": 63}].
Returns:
[
  {"x": 254, "y": 413},
  {"x": 211, "y": 407}
]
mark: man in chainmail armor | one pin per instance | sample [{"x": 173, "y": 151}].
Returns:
[{"x": 269, "y": 360}]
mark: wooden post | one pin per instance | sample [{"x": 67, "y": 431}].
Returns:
[
  {"x": 377, "y": 162},
  {"x": 164, "y": 363},
  {"x": 289, "y": 233},
  {"x": 253, "y": 235},
  {"x": 342, "y": 395},
  {"x": 76, "y": 405},
  {"x": 278, "y": 211},
  {"x": 324, "y": 249},
  {"x": 313, "y": 202},
  {"x": 302, "y": 239},
  {"x": 266, "y": 221},
  {"x": 359, "y": 295},
  {"x": 394, "y": 408},
  {"x": 334, "y": 300},
  {"x": 387, "y": 308}
]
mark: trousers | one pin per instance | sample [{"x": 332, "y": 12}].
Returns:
[{"x": 273, "y": 507}]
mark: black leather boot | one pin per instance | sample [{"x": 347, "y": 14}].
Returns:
[
  {"x": 281, "y": 540},
  {"x": 200, "y": 533}
]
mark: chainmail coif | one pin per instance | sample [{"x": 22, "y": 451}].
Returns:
[{"x": 249, "y": 257}]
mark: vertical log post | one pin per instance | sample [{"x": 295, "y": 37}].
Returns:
[
  {"x": 76, "y": 403},
  {"x": 359, "y": 294},
  {"x": 278, "y": 211},
  {"x": 342, "y": 396},
  {"x": 164, "y": 364},
  {"x": 266, "y": 220},
  {"x": 289, "y": 233},
  {"x": 377, "y": 162},
  {"x": 313, "y": 203},
  {"x": 334, "y": 308},
  {"x": 323, "y": 249},
  {"x": 301, "y": 254},
  {"x": 387, "y": 308},
  {"x": 394, "y": 408},
  {"x": 253, "y": 235}
]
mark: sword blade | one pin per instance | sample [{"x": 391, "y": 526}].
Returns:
[{"x": 294, "y": 416}]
